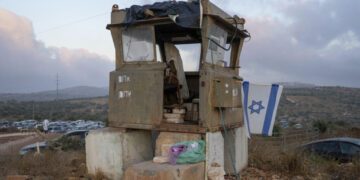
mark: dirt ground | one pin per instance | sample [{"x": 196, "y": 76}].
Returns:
[
  {"x": 264, "y": 163},
  {"x": 48, "y": 164}
]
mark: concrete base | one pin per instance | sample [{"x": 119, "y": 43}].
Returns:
[
  {"x": 149, "y": 170},
  {"x": 112, "y": 150},
  {"x": 215, "y": 149},
  {"x": 239, "y": 147}
]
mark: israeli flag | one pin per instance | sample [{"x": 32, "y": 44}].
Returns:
[{"x": 260, "y": 104}]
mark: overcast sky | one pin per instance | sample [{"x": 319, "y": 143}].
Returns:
[{"x": 311, "y": 41}]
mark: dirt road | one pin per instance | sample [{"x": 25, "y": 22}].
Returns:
[{"x": 10, "y": 144}]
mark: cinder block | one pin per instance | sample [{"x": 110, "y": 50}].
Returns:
[
  {"x": 149, "y": 170},
  {"x": 112, "y": 150},
  {"x": 173, "y": 138},
  {"x": 18, "y": 177},
  {"x": 239, "y": 147}
]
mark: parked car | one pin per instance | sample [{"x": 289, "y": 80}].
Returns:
[
  {"x": 342, "y": 149},
  {"x": 4, "y": 124},
  {"x": 75, "y": 139},
  {"x": 57, "y": 129},
  {"x": 284, "y": 124},
  {"x": 298, "y": 126},
  {"x": 32, "y": 148}
]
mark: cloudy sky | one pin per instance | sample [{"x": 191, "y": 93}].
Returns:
[{"x": 311, "y": 41}]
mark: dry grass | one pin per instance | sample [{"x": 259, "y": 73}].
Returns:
[
  {"x": 291, "y": 163},
  {"x": 55, "y": 164},
  {"x": 285, "y": 163}
]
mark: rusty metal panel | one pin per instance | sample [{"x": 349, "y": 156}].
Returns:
[
  {"x": 136, "y": 96},
  {"x": 226, "y": 93},
  {"x": 230, "y": 103}
]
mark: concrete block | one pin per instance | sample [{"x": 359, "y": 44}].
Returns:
[
  {"x": 165, "y": 148},
  {"x": 112, "y": 150},
  {"x": 161, "y": 159},
  {"x": 215, "y": 149},
  {"x": 149, "y": 170},
  {"x": 173, "y": 138},
  {"x": 239, "y": 147}
]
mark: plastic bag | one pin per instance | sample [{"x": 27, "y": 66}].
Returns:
[{"x": 188, "y": 152}]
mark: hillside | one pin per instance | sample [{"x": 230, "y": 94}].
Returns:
[
  {"x": 88, "y": 109},
  {"x": 304, "y": 105},
  {"x": 297, "y": 105},
  {"x": 296, "y": 85},
  {"x": 68, "y": 93}
]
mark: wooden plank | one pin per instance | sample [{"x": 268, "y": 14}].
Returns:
[{"x": 180, "y": 128}]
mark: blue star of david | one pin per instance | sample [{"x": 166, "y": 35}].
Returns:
[{"x": 256, "y": 107}]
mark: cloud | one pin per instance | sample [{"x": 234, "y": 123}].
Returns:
[
  {"x": 27, "y": 65},
  {"x": 314, "y": 41},
  {"x": 321, "y": 44}
]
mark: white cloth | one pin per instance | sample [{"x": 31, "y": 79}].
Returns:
[
  {"x": 260, "y": 104},
  {"x": 45, "y": 124}
]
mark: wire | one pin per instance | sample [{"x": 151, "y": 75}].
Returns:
[
  {"x": 221, "y": 112},
  {"x": 71, "y": 23},
  {"x": 232, "y": 39}
]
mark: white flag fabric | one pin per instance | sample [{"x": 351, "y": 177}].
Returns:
[{"x": 260, "y": 104}]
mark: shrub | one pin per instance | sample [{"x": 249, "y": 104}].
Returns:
[
  {"x": 340, "y": 123},
  {"x": 277, "y": 130},
  {"x": 322, "y": 126}
]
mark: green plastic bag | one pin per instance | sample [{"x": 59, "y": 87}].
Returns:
[{"x": 194, "y": 152}]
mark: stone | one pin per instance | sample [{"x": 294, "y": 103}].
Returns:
[
  {"x": 173, "y": 138},
  {"x": 239, "y": 146},
  {"x": 18, "y": 177},
  {"x": 161, "y": 159},
  {"x": 149, "y": 170},
  {"x": 216, "y": 173},
  {"x": 82, "y": 169},
  {"x": 112, "y": 150}
]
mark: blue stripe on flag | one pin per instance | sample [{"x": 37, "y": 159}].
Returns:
[
  {"x": 246, "y": 93},
  {"x": 270, "y": 108}
]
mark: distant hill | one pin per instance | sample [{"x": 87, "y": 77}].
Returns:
[
  {"x": 297, "y": 105},
  {"x": 71, "y": 109},
  {"x": 67, "y": 93},
  {"x": 296, "y": 85},
  {"x": 305, "y": 105}
]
